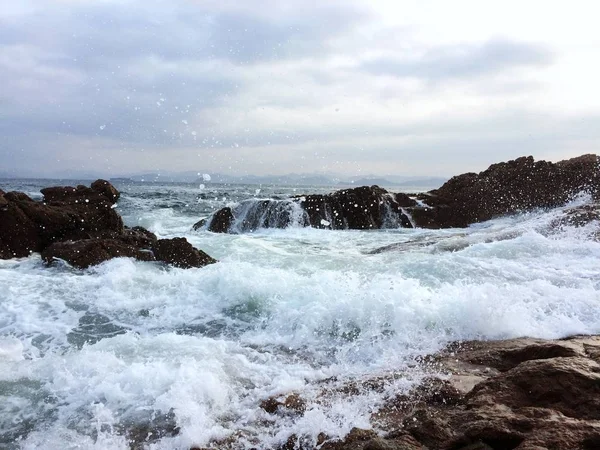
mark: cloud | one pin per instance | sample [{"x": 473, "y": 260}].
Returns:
[
  {"x": 463, "y": 61},
  {"x": 269, "y": 86}
]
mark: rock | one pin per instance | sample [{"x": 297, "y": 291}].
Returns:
[
  {"x": 106, "y": 189},
  {"x": 578, "y": 216},
  {"x": 19, "y": 234},
  {"x": 80, "y": 226},
  {"x": 221, "y": 221},
  {"x": 538, "y": 394},
  {"x": 292, "y": 403},
  {"x": 504, "y": 188},
  {"x": 180, "y": 253},
  {"x": 90, "y": 252},
  {"x": 67, "y": 213},
  {"x": 355, "y": 440},
  {"x": 359, "y": 208},
  {"x": 405, "y": 442},
  {"x": 570, "y": 386}
]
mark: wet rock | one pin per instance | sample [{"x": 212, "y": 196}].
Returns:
[
  {"x": 360, "y": 208},
  {"x": 570, "y": 386},
  {"x": 67, "y": 213},
  {"x": 93, "y": 328},
  {"x": 292, "y": 403},
  {"x": 180, "y": 253},
  {"x": 106, "y": 189},
  {"x": 579, "y": 216},
  {"x": 80, "y": 226},
  {"x": 221, "y": 221},
  {"x": 90, "y": 252},
  {"x": 519, "y": 185},
  {"x": 538, "y": 394},
  {"x": 355, "y": 440}
]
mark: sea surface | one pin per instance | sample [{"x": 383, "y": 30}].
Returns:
[{"x": 89, "y": 359}]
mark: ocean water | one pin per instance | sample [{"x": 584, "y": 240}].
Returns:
[{"x": 89, "y": 359}]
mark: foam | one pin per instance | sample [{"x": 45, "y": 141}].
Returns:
[{"x": 282, "y": 310}]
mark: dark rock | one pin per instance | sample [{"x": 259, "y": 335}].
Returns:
[
  {"x": 578, "y": 216},
  {"x": 180, "y": 253},
  {"x": 106, "y": 189},
  {"x": 19, "y": 234},
  {"x": 405, "y": 442},
  {"x": 90, "y": 252},
  {"x": 360, "y": 208},
  {"x": 80, "y": 226},
  {"x": 519, "y": 185},
  {"x": 293, "y": 403},
  {"x": 355, "y": 440},
  {"x": 270, "y": 405},
  {"x": 570, "y": 386},
  {"x": 220, "y": 222}
]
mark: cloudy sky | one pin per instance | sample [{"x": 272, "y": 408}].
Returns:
[{"x": 277, "y": 86}]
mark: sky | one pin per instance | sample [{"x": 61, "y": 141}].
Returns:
[{"x": 426, "y": 88}]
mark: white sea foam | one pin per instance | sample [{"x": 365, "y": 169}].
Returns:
[{"x": 86, "y": 354}]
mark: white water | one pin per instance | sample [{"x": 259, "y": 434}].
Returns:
[{"x": 281, "y": 311}]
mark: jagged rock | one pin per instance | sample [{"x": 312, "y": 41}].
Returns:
[
  {"x": 90, "y": 252},
  {"x": 579, "y": 216},
  {"x": 359, "y": 208},
  {"x": 529, "y": 394},
  {"x": 179, "y": 252},
  {"x": 519, "y": 185},
  {"x": 66, "y": 213},
  {"x": 221, "y": 221},
  {"x": 106, "y": 189},
  {"x": 80, "y": 226}
]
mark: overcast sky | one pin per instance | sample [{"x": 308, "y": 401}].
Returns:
[{"x": 273, "y": 87}]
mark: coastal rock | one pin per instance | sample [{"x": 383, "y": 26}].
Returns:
[
  {"x": 361, "y": 208},
  {"x": 179, "y": 252},
  {"x": 90, "y": 252},
  {"x": 504, "y": 188},
  {"x": 221, "y": 221},
  {"x": 80, "y": 226},
  {"x": 66, "y": 213},
  {"x": 528, "y": 394},
  {"x": 519, "y": 185}
]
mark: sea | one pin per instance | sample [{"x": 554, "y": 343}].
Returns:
[{"x": 129, "y": 352}]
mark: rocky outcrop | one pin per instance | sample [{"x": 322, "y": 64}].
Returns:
[
  {"x": 360, "y": 208},
  {"x": 66, "y": 213},
  {"x": 504, "y": 188},
  {"x": 80, "y": 226},
  {"x": 90, "y": 252},
  {"x": 523, "y": 394},
  {"x": 179, "y": 252}
]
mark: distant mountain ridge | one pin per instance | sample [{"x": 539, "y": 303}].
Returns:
[{"x": 292, "y": 179}]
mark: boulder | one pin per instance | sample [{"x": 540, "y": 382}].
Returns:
[
  {"x": 179, "y": 252},
  {"x": 504, "y": 188},
  {"x": 361, "y": 208},
  {"x": 80, "y": 226},
  {"x": 519, "y": 185},
  {"x": 90, "y": 252},
  {"x": 221, "y": 221}
]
